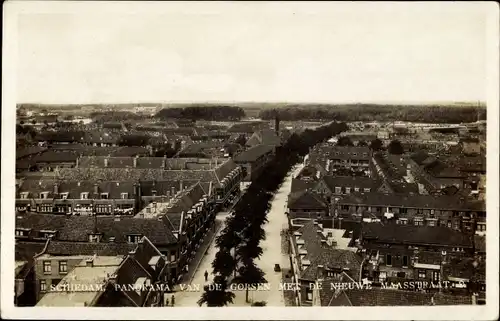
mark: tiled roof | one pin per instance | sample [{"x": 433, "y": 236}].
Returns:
[
  {"x": 253, "y": 153},
  {"x": 25, "y": 251},
  {"x": 349, "y": 181},
  {"x": 129, "y": 151},
  {"x": 247, "y": 127},
  {"x": 299, "y": 185},
  {"x": 307, "y": 200},
  {"x": 27, "y": 151},
  {"x": 411, "y": 234},
  {"x": 413, "y": 201},
  {"x": 86, "y": 248},
  {"x": 53, "y": 156},
  {"x": 129, "y": 271},
  {"x": 264, "y": 137},
  {"x": 78, "y": 228}
]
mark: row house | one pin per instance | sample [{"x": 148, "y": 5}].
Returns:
[
  {"x": 453, "y": 212},
  {"x": 315, "y": 260},
  {"x": 254, "y": 160},
  {"x": 92, "y": 198},
  {"x": 341, "y": 159},
  {"x": 115, "y": 276},
  {"x": 224, "y": 174},
  {"x": 307, "y": 204},
  {"x": 395, "y": 253},
  {"x": 190, "y": 216},
  {"x": 434, "y": 174}
]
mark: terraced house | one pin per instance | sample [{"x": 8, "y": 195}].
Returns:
[
  {"x": 396, "y": 253},
  {"x": 340, "y": 159},
  {"x": 133, "y": 278},
  {"x": 453, "y": 212},
  {"x": 224, "y": 174}
]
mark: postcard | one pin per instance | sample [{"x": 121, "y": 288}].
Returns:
[{"x": 250, "y": 160}]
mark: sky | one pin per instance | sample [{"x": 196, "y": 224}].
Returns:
[{"x": 318, "y": 52}]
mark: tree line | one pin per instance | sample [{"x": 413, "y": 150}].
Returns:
[
  {"x": 372, "y": 112},
  {"x": 239, "y": 242},
  {"x": 204, "y": 112}
]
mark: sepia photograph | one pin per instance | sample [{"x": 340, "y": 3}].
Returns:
[{"x": 250, "y": 160}]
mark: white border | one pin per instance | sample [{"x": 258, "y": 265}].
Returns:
[{"x": 13, "y": 8}]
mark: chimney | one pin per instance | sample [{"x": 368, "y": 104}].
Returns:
[
  {"x": 173, "y": 191},
  {"x": 96, "y": 189},
  {"x": 106, "y": 162},
  {"x": 277, "y": 124},
  {"x": 164, "y": 162},
  {"x": 321, "y": 272},
  {"x": 56, "y": 189},
  {"x": 135, "y": 161},
  {"x": 182, "y": 185}
]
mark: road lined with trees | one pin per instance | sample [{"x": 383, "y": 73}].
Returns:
[{"x": 239, "y": 243}]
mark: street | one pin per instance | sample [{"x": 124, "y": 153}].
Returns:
[{"x": 272, "y": 255}]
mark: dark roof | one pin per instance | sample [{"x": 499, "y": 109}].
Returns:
[
  {"x": 265, "y": 137},
  {"x": 253, "y": 153},
  {"x": 394, "y": 233},
  {"x": 307, "y": 200},
  {"x": 247, "y": 127},
  {"x": 25, "y": 251},
  {"x": 78, "y": 228},
  {"x": 299, "y": 185},
  {"x": 413, "y": 201},
  {"x": 85, "y": 248},
  {"x": 53, "y": 156},
  {"x": 23, "y": 152},
  {"x": 480, "y": 243},
  {"x": 349, "y": 181}
]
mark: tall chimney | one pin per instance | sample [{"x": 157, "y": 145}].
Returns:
[
  {"x": 173, "y": 191},
  {"x": 96, "y": 189},
  {"x": 135, "y": 161},
  {"x": 56, "y": 189},
  {"x": 277, "y": 124},
  {"x": 106, "y": 162}
]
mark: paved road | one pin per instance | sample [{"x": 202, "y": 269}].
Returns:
[{"x": 272, "y": 245}]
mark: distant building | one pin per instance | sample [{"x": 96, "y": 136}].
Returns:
[{"x": 254, "y": 160}]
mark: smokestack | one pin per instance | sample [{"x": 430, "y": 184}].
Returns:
[{"x": 277, "y": 124}]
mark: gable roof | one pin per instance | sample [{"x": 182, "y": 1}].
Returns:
[
  {"x": 351, "y": 181},
  {"x": 307, "y": 200},
  {"x": 410, "y": 234},
  {"x": 85, "y": 248},
  {"x": 253, "y": 153},
  {"x": 78, "y": 228}
]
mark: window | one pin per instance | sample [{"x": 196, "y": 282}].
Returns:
[
  {"x": 63, "y": 267},
  {"x": 388, "y": 262},
  {"x": 309, "y": 294},
  {"x": 153, "y": 192},
  {"x": 124, "y": 196},
  {"x": 64, "y": 196},
  {"x": 43, "y": 195},
  {"x": 84, "y": 196},
  {"x": 43, "y": 285},
  {"x": 24, "y": 195},
  {"x": 347, "y": 190},
  {"x": 431, "y": 222},
  {"x": 345, "y": 207},
  {"x": 356, "y": 189},
  {"x": 47, "y": 267},
  {"x": 421, "y": 274},
  {"x": 172, "y": 257},
  {"x": 133, "y": 238},
  {"x": 338, "y": 190},
  {"x": 403, "y": 211},
  {"x": 104, "y": 196},
  {"x": 367, "y": 190},
  {"x": 94, "y": 238},
  {"x": 405, "y": 260}
]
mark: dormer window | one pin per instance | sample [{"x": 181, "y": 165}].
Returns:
[
  {"x": 104, "y": 196},
  {"x": 84, "y": 195},
  {"x": 356, "y": 189},
  {"x": 366, "y": 190},
  {"x": 64, "y": 196},
  {"x": 44, "y": 195},
  {"x": 153, "y": 192},
  {"x": 94, "y": 238},
  {"x": 133, "y": 238},
  {"x": 24, "y": 195},
  {"x": 347, "y": 190},
  {"x": 124, "y": 196}
]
